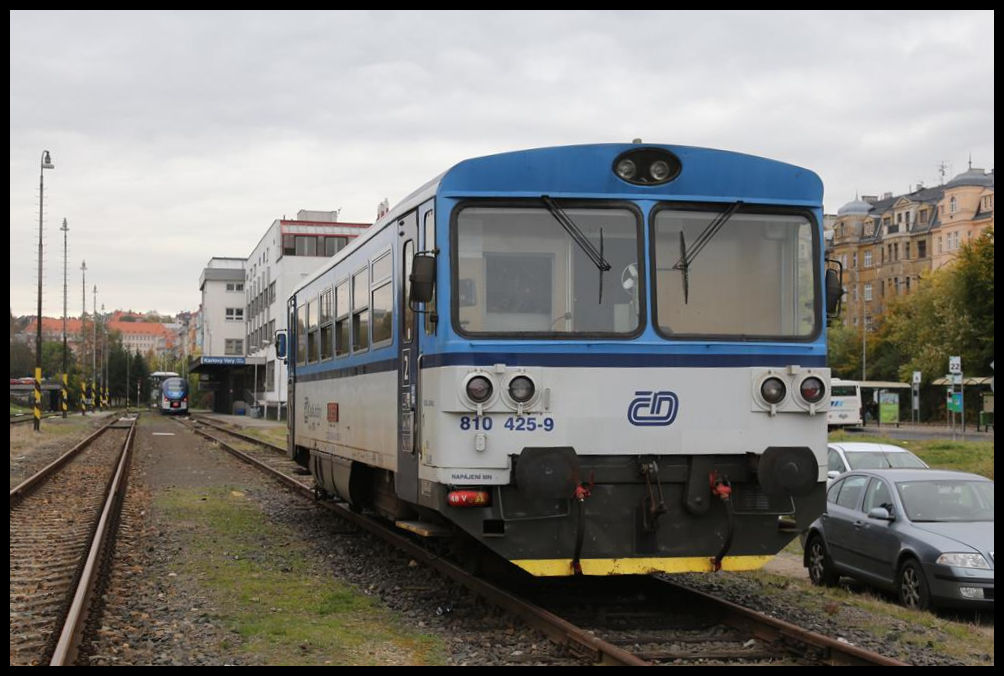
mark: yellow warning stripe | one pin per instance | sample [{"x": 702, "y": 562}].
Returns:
[{"x": 639, "y": 566}]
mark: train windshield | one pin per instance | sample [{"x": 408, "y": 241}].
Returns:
[
  {"x": 520, "y": 271},
  {"x": 733, "y": 274},
  {"x": 174, "y": 387}
]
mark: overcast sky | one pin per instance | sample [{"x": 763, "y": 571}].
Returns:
[{"x": 177, "y": 136}]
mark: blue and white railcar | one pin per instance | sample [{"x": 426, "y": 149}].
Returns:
[
  {"x": 173, "y": 396},
  {"x": 601, "y": 359}
]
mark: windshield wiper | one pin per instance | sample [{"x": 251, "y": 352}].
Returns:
[
  {"x": 709, "y": 232},
  {"x": 596, "y": 256},
  {"x": 579, "y": 237}
]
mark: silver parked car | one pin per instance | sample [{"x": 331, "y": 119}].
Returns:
[
  {"x": 846, "y": 456},
  {"x": 926, "y": 534}
]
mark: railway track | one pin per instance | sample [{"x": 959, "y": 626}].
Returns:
[
  {"x": 61, "y": 523},
  {"x": 27, "y": 418},
  {"x": 632, "y": 621}
]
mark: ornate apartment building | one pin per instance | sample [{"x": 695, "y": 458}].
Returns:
[{"x": 885, "y": 244}]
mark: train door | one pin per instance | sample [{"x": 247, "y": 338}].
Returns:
[
  {"x": 406, "y": 478},
  {"x": 293, "y": 334}
]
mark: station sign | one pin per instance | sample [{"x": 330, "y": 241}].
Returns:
[{"x": 224, "y": 361}]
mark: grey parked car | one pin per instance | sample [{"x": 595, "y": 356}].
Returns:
[{"x": 926, "y": 534}]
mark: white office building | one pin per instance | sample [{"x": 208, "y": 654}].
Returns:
[{"x": 290, "y": 250}]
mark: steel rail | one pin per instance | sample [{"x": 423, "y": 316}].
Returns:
[
  {"x": 65, "y": 652},
  {"x": 26, "y": 487},
  {"x": 247, "y": 437},
  {"x": 775, "y": 631}
]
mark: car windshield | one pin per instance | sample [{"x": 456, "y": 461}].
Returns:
[
  {"x": 945, "y": 500},
  {"x": 752, "y": 278},
  {"x": 880, "y": 460}
]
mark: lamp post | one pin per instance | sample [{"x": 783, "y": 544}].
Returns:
[
  {"x": 64, "y": 394},
  {"x": 46, "y": 163},
  {"x": 94, "y": 351},
  {"x": 83, "y": 339}
]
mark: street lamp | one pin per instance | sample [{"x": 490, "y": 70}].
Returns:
[{"x": 46, "y": 163}]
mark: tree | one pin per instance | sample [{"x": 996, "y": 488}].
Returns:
[
  {"x": 141, "y": 372},
  {"x": 22, "y": 360},
  {"x": 950, "y": 314},
  {"x": 844, "y": 350}
]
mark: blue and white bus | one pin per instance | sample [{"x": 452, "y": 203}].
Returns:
[
  {"x": 598, "y": 359},
  {"x": 845, "y": 404}
]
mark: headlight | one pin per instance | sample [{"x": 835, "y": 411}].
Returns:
[
  {"x": 659, "y": 171},
  {"x": 521, "y": 389},
  {"x": 773, "y": 390},
  {"x": 626, "y": 169},
  {"x": 963, "y": 560},
  {"x": 479, "y": 389},
  {"x": 812, "y": 389}
]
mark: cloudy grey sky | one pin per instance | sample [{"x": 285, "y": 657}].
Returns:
[{"x": 177, "y": 136}]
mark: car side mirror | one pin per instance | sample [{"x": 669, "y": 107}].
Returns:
[
  {"x": 832, "y": 474},
  {"x": 880, "y": 513}
]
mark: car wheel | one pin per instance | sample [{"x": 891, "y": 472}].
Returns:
[
  {"x": 817, "y": 559},
  {"x": 913, "y": 589}
]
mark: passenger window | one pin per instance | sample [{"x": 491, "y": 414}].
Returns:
[
  {"x": 301, "y": 335},
  {"x": 327, "y": 316},
  {"x": 878, "y": 496},
  {"x": 313, "y": 340},
  {"x": 382, "y": 300},
  {"x": 360, "y": 311},
  {"x": 850, "y": 492},
  {"x": 342, "y": 322}
]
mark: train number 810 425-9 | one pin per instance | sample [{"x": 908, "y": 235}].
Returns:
[{"x": 512, "y": 423}]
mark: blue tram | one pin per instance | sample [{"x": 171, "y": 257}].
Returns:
[{"x": 598, "y": 359}]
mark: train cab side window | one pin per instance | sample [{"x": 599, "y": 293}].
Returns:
[
  {"x": 430, "y": 245},
  {"x": 327, "y": 330},
  {"x": 360, "y": 311},
  {"x": 382, "y": 300},
  {"x": 301, "y": 335},
  {"x": 408, "y": 325},
  {"x": 314, "y": 332},
  {"x": 342, "y": 319}
]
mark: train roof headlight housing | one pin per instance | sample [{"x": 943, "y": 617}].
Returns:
[
  {"x": 647, "y": 166},
  {"x": 773, "y": 390},
  {"x": 479, "y": 389},
  {"x": 812, "y": 390},
  {"x": 521, "y": 389}
]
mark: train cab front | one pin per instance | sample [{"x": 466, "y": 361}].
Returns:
[{"x": 681, "y": 480}]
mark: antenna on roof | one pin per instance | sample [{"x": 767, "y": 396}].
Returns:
[{"x": 942, "y": 169}]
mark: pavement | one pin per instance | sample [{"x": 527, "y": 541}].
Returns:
[{"x": 924, "y": 431}]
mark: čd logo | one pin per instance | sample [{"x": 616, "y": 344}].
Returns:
[{"x": 653, "y": 409}]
